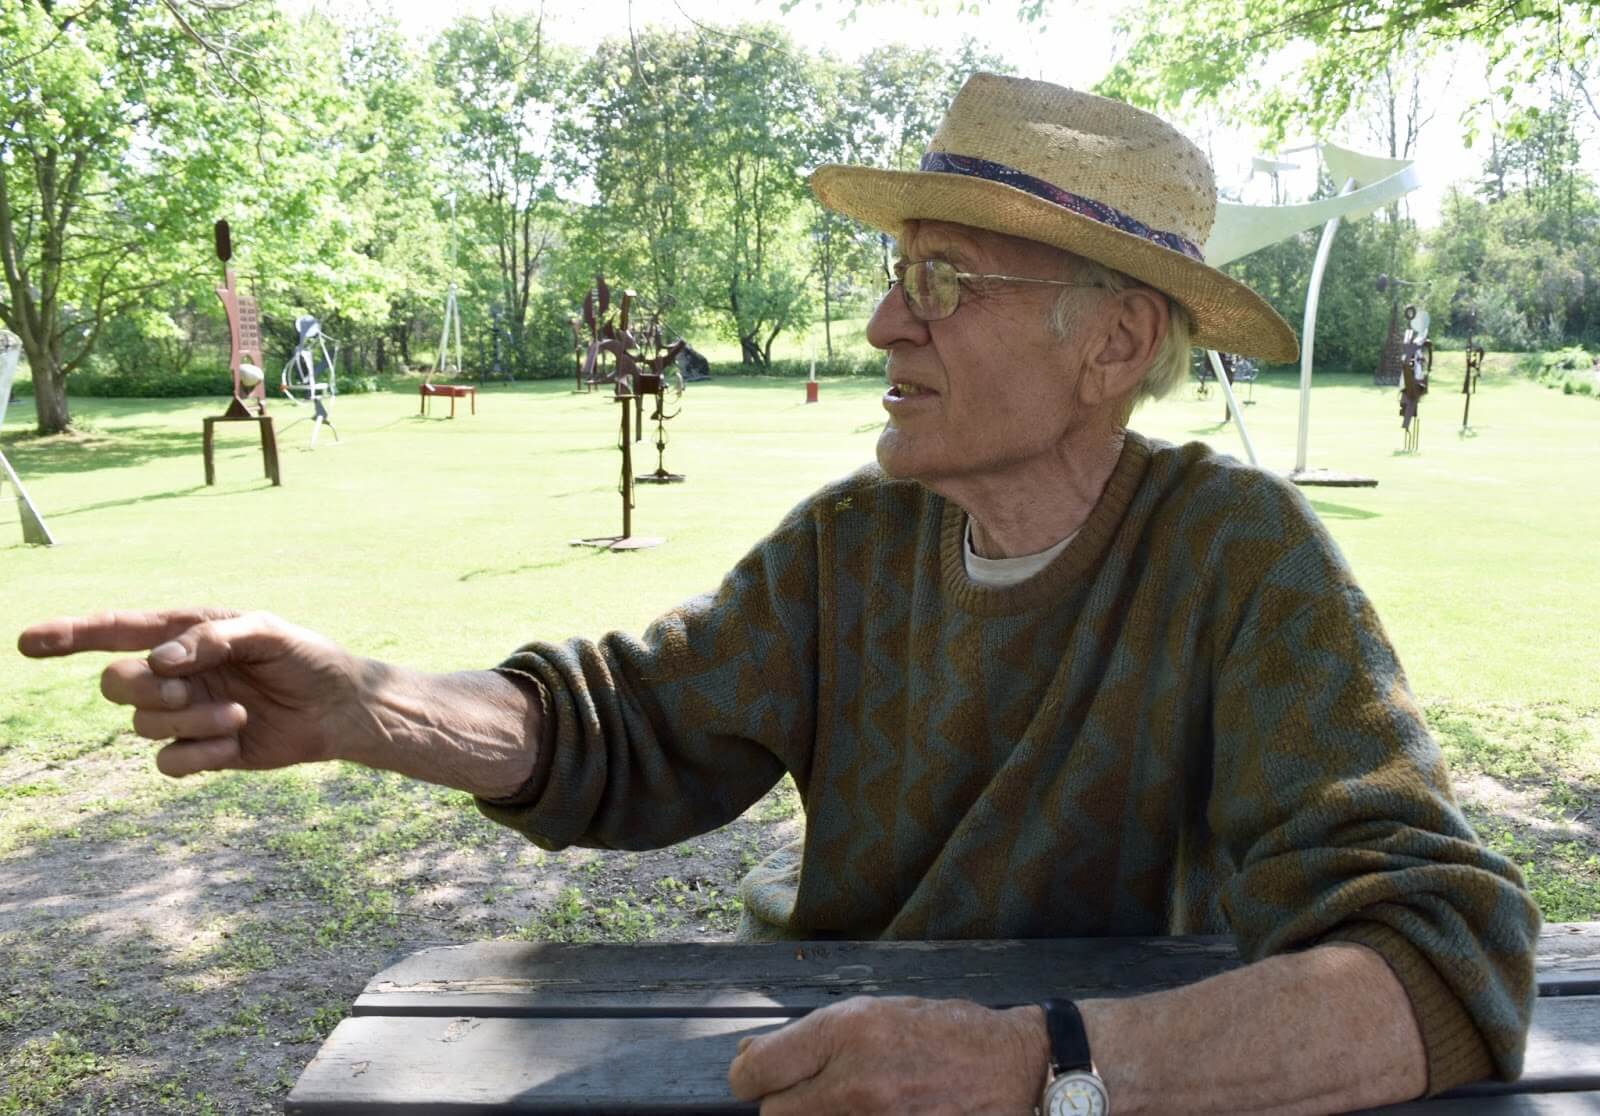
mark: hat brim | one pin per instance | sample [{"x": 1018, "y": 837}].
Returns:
[{"x": 1228, "y": 316}]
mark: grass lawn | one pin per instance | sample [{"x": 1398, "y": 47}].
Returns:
[{"x": 184, "y": 946}]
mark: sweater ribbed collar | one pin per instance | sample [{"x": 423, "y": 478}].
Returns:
[{"x": 1082, "y": 555}]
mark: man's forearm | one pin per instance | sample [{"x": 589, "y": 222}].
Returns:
[
  {"x": 1327, "y": 1030},
  {"x": 477, "y": 731}
]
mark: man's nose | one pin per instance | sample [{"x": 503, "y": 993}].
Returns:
[{"x": 893, "y": 323}]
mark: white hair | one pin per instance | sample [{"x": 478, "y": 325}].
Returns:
[{"x": 1170, "y": 365}]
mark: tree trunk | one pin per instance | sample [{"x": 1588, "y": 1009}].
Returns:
[
  {"x": 49, "y": 388},
  {"x": 750, "y": 352},
  {"x": 827, "y": 319}
]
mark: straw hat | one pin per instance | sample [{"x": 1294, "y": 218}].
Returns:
[{"x": 1092, "y": 176}]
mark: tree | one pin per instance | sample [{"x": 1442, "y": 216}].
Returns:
[
  {"x": 1219, "y": 50},
  {"x": 508, "y": 87},
  {"x": 695, "y": 146},
  {"x": 119, "y": 145},
  {"x": 637, "y": 138},
  {"x": 754, "y": 147}
]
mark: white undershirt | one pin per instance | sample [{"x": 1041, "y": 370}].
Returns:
[{"x": 997, "y": 573}]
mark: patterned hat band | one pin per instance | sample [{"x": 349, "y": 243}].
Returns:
[{"x": 973, "y": 167}]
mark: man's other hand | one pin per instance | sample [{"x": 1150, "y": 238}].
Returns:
[
  {"x": 230, "y": 690},
  {"x": 897, "y": 1054}
]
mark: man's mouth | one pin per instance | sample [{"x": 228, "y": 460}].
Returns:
[{"x": 902, "y": 390}]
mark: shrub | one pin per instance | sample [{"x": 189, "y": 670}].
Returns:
[
  {"x": 98, "y": 383},
  {"x": 870, "y": 365},
  {"x": 1571, "y": 369}
]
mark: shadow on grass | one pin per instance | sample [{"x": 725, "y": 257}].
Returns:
[
  {"x": 195, "y": 490},
  {"x": 513, "y": 571},
  {"x": 1329, "y": 510},
  {"x": 185, "y": 949},
  {"x": 84, "y": 453}
]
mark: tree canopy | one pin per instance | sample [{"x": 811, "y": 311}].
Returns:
[{"x": 364, "y": 172}]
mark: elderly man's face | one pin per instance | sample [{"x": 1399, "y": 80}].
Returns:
[{"x": 990, "y": 390}]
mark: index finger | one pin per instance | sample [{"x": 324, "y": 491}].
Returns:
[{"x": 112, "y": 631}]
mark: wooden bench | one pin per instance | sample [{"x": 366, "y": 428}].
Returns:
[
  {"x": 451, "y": 392},
  {"x": 550, "y": 1028}
]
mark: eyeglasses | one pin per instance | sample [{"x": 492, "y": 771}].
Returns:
[{"x": 932, "y": 288}]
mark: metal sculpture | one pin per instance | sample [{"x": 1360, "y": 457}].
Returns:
[
  {"x": 668, "y": 383},
  {"x": 244, "y": 337},
  {"x": 1388, "y": 373},
  {"x": 309, "y": 360},
  {"x": 635, "y": 364},
  {"x": 1469, "y": 383},
  {"x": 1416, "y": 361},
  {"x": 1367, "y": 182},
  {"x": 34, "y": 531}
]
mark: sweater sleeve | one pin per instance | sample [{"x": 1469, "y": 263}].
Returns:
[
  {"x": 657, "y": 739},
  {"x": 1334, "y": 804}
]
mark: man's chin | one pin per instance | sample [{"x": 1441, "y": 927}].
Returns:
[{"x": 898, "y": 455}]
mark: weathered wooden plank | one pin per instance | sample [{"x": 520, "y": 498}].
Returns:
[
  {"x": 657, "y": 1066},
  {"x": 1569, "y": 959},
  {"x": 780, "y": 979},
  {"x": 642, "y": 1067},
  {"x": 744, "y": 980}
]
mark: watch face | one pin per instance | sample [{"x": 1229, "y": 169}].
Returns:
[{"x": 1076, "y": 1094}]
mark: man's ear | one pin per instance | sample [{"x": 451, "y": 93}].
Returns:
[{"x": 1130, "y": 328}]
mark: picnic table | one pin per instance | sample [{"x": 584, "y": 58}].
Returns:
[{"x": 650, "y": 1029}]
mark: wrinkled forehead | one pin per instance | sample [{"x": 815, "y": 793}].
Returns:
[{"x": 974, "y": 249}]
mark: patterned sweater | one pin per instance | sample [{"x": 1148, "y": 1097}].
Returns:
[{"x": 1190, "y": 722}]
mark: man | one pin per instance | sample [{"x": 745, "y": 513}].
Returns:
[{"x": 1033, "y": 675}]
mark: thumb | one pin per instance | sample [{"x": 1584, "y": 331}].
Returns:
[
  {"x": 773, "y": 1062},
  {"x": 253, "y": 637}
]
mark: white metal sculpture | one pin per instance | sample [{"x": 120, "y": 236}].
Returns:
[
  {"x": 452, "y": 313},
  {"x": 310, "y": 359},
  {"x": 1368, "y": 182},
  {"x": 34, "y": 530}
]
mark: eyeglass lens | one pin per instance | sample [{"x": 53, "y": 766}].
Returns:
[{"x": 932, "y": 289}]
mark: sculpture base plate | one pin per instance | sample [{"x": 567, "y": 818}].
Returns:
[
  {"x": 620, "y": 542},
  {"x": 660, "y": 476},
  {"x": 1329, "y": 478}
]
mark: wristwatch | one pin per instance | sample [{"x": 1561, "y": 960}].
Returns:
[{"x": 1073, "y": 1088}]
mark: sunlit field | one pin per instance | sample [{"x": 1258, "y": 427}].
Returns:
[{"x": 184, "y": 946}]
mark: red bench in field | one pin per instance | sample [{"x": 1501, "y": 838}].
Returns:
[{"x": 451, "y": 392}]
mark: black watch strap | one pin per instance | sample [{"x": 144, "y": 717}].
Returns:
[{"x": 1069, "y": 1042}]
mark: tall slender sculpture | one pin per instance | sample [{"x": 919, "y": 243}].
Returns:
[
  {"x": 244, "y": 335},
  {"x": 636, "y": 365},
  {"x": 34, "y": 531},
  {"x": 1367, "y": 182},
  {"x": 1469, "y": 384},
  {"x": 1416, "y": 362}
]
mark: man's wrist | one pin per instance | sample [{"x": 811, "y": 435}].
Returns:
[
  {"x": 1033, "y": 1047},
  {"x": 475, "y": 731}
]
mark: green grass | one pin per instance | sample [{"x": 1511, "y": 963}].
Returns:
[{"x": 445, "y": 545}]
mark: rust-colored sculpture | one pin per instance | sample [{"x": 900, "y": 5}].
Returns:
[
  {"x": 1389, "y": 372},
  {"x": 635, "y": 364},
  {"x": 1469, "y": 384},
  {"x": 1416, "y": 361},
  {"x": 249, "y": 381}
]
